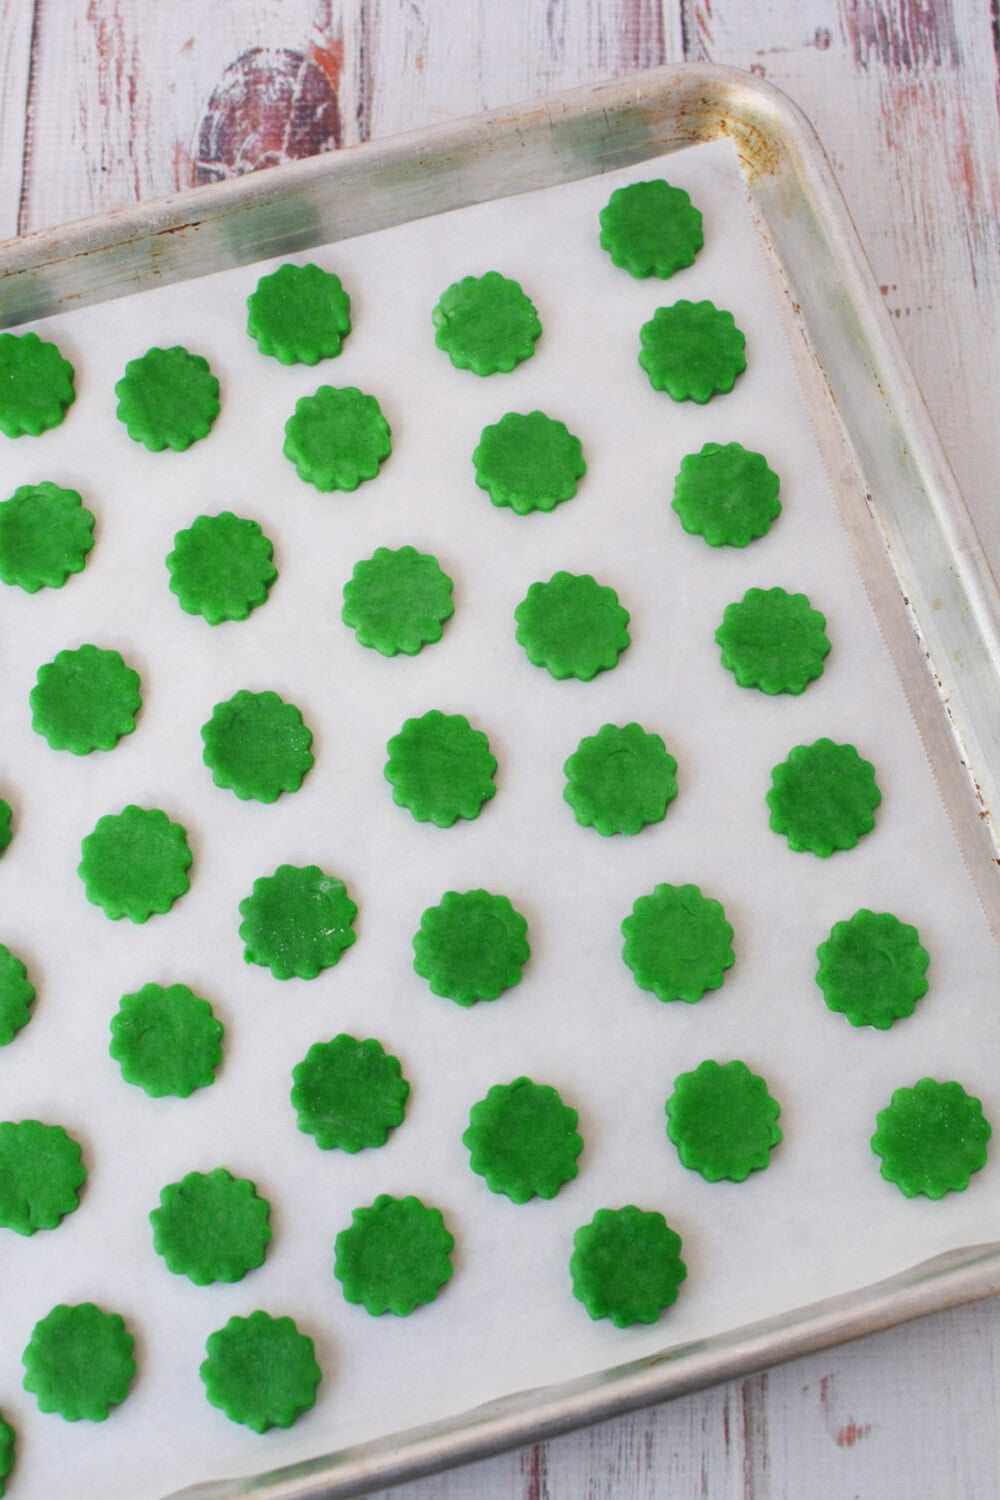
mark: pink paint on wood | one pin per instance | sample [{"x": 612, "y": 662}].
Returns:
[
  {"x": 844, "y": 1434},
  {"x": 535, "y": 1472},
  {"x": 755, "y": 1437},
  {"x": 901, "y": 34}
]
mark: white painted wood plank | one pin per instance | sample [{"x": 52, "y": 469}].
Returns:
[{"x": 16, "y": 32}]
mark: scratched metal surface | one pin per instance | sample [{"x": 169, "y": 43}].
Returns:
[{"x": 107, "y": 102}]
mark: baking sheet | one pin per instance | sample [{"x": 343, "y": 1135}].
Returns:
[{"x": 819, "y": 1220}]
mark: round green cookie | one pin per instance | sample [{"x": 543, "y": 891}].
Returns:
[
  {"x": 79, "y": 1362},
  {"x": 135, "y": 863},
  {"x": 41, "y": 1173},
  {"x": 872, "y": 969},
  {"x": 678, "y": 943},
  {"x": 349, "y": 1094},
  {"x": 166, "y": 1041},
  {"x": 693, "y": 351},
  {"x": 394, "y": 1257},
  {"x": 300, "y": 314},
  {"x": 823, "y": 798},
  {"x": 261, "y": 1371},
  {"x": 257, "y": 746},
  {"x": 167, "y": 399},
  {"x": 337, "y": 438},
  {"x": 36, "y": 385},
  {"x": 297, "y": 922},
  {"x": 931, "y": 1138},
  {"x": 722, "y": 1120},
  {"x": 8, "y": 1447},
  {"x": 6, "y": 814},
  {"x": 398, "y": 601},
  {"x": 651, "y": 229},
  {"x": 572, "y": 626},
  {"x": 529, "y": 462},
  {"x": 620, "y": 779},
  {"x": 727, "y": 494},
  {"x": 626, "y": 1265},
  {"x": 440, "y": 768},
  {"x": 85, "y": 700},
  {"x": 45, "y": 535},
  {"x": 17, "y": 994},
  {"x": 523, "y": 1140},
  {"x": 486, "y": 324},
  {"x": 211, "y": 1226},
  {"x": 471, "y": 946},
  {"x": 773, "y": 641},
  {"x": 221, "y": 567}
]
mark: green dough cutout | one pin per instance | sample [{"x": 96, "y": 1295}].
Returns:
[
  {"x": 626, "y": 1265},
  {"x": 85, "y": 700},
  {"x": 297, "y": 922},
  {"x": 572, "y": 626},
  {"x": 211, "y": 1226},
  {"x": 396, "y": 1256},
  {"x": 693, "y": 351},
  {"x": 221, "y": 567},
  {"x": 300, "y": 314},
  {"x": 45, "y": 535},
  {"x": 931, "y": 1138},
  {"x": 167, "y": 399},
  {"x": 349, "y": 1094},
  {"x": 620, "y": 779},
  {"x": 6, "y": 814},
  {"x": 872, "y": 969},
  {"x": 398, "y": 601},
  {"x": 79, "y": 1362},
  {"x": 261, "y": 1371},
  {"x": 41, "y": 1173},
  {"x": 486, "y": 324},
  {"x": 529, "y": 462},
  {"x": 823, "y": 798},
  {"x": 8, "y": 1443},
  {"x": 440, "y": 768},
  {"x": 257, "y": 746},
  {"x": 135, "y": 863},
  {"x": 727, "y": 494},
  {"x": 36, "y": 385},
  {"x": 722, "y": 1120},
  {"x": 337, "y": 438},
  {"x": 472, "y": 946},
  {"x": 17, "y": 994},
  {"x": 678, "y": 943},
  {"x": 651, "y": 229},
  {"x": 166, "y": 1041},
  {"x": 773, "y": 641},
  {"x": 523, "y": 1140}
]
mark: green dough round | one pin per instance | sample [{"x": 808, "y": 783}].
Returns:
[
  {"x": 221, "y": 567},
  {"x": 8, "y": 1446},
  {"x": 16, "y": 996},
  {"x": 398, "y": 601},
  {"x": 931, "y": 1138},
  {"x": 261, "y": 1371},
  {"x": 486, "y": 324},
  {"x": 297, "y": 922},
  {"x": 166, "y": 1041},
  {"x": 6, "y": 814},
  {"x": 727, "y": 494},
  {"x": 36, "y": 385},
  {"x": 257, "y": 746},
  {"x": 572, "y": 626},
  {"x": 79, "y": 1362},
  {"x": 620, "y": 779},
  {"x": 337, "y": 438},
  {"x": 872, "y": 969},
  {"x": 349, "y": 1094},
  {"x": 300, "y": 314},
  {"x": 41, "y": 1173},
  {"x": 472, "y": 946},
  {"x": 823, "y": 798},
  {"x": 45, "y": 535},
  {"x": 529, "y": 462},
  {"x": 693, "y": 351},
  {"x": 722, "y": 1120},
  {"x": 626, "y": 1265},
  {"x": 211, "y": 1226},
  {"x": 678, "y": 943},
  {"x": 394, "y": 1257},
  {"x": 523, "y": 1140},
  {"x": 773, "y": 641},
  {"x": 85, "y": 700},
  {"x": 651, "y": 229},
  {"x": 167, "y": 399},
  {"x": 440, "y": 768},
  {"x": 135, "y": 863}
]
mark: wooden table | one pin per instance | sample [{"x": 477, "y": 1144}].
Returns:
[{"x": 106, "y": 102}]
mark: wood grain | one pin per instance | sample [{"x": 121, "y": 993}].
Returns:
[{"x": 17, "y": 39}]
